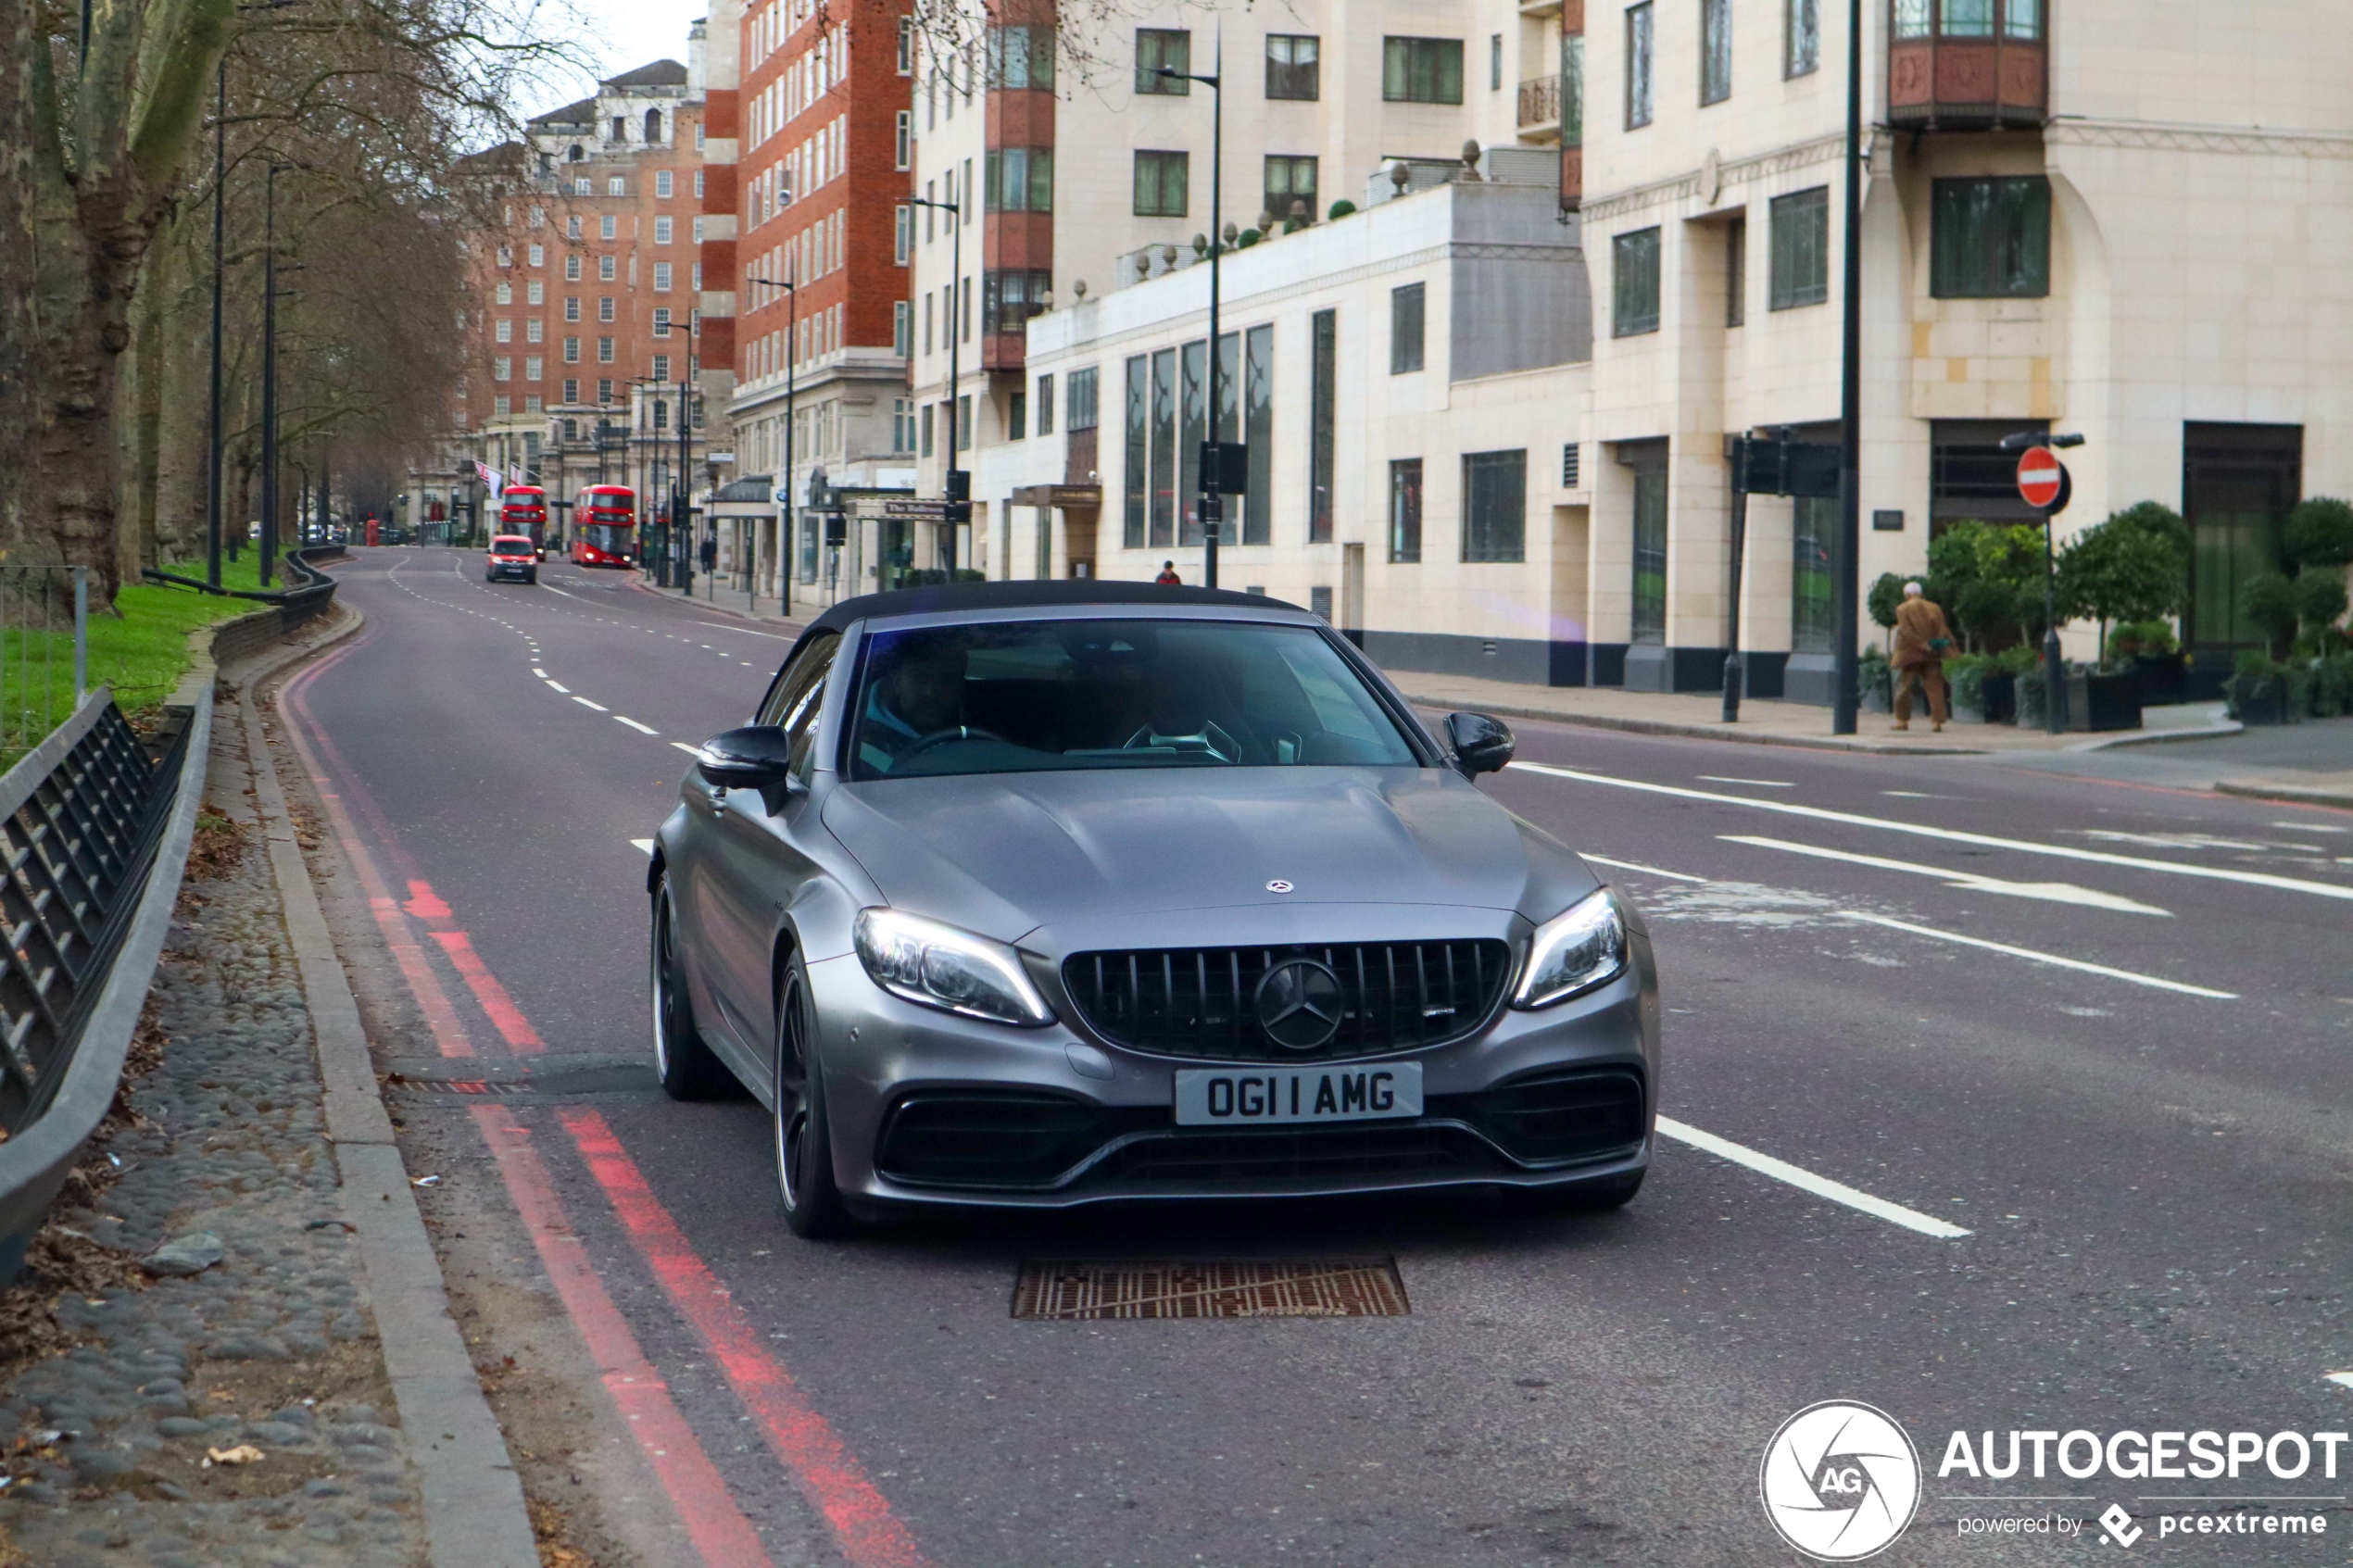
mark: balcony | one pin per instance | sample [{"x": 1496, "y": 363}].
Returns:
[
  {"x": 1540, "y": 109},
  {"x": 1969, "y": 65}
]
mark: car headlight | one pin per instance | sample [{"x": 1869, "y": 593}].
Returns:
[
  {"x": 942, "y": 967},
  {"x": 1574, "y": 951}
]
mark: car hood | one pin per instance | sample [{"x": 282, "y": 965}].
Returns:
[{"x": 1005, "y": 854}]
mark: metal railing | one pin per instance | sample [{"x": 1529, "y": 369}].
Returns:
[
  {"x": 44, "y": 634},
  {"x": 94, "y": 830}
]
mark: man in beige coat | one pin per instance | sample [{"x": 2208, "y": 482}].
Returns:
[{"x": 1921, "y": 642}]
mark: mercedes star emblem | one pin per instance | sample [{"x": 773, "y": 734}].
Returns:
[
  {"x": 1279, "y": 885},
  {"x": 1299, "y": 1004}
]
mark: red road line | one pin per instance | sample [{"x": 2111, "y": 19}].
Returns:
[
  {"x": 720, "y": 1534},
  {"x": 869, "y": 1533},
  {"x": 450, "y": 1033},
  {"x": 508, "y": 1018}
]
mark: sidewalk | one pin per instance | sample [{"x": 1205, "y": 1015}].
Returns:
[{"x": 1701, "y": 714}]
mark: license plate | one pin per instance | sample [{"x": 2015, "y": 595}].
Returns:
[{"x": 1238, "y": 1096}]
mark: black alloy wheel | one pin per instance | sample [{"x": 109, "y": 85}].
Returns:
[
  {"x": 804, "y": 1144},
  {"x": 689, "y": 1069}
]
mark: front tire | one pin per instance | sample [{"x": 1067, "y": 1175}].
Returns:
[
  {"x": 803, "y": 1135},
  {"x": 689, "y": 1069}
]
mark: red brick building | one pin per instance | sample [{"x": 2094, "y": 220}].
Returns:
[{"x": 811, "y": 138}]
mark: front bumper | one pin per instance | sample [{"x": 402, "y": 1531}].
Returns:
[{"x": 929, "y": 1109}]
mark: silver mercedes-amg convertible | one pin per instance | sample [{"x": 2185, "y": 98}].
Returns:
[{"x": 1046, "y": 894}]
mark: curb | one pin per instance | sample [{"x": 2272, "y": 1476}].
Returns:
[
  {"x": 2294, "y": 794},
  {"x": 2160, "y": 737},
  {"x": 474, "y": 1514},
  {"x": 1708, "y": 732},
  {"x": 713, "y": 605}
]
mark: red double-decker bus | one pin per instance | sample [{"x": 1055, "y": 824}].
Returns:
[
  {"x": 604, "y": 526},
  {"x": 522, "y": 508}
]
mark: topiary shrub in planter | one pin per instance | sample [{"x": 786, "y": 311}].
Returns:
[
  {"x": 2333, "y": 686},
  {"x": 2257, "y": 693},
  {"x": 1875, "y": 682},
  {"x": 1341, "y": 208}
]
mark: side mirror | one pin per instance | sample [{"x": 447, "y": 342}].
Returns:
[
  {"x": 1481, "y": 744},
  {"x": 755, "y": 756}
]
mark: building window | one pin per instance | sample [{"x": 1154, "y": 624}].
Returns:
[
  {"x": 534, "y": 330},
  {"x": 502, "y": 369},
  {"x": 903, "y": 142},
  {"x": 1162, "y": 49},
  {"x": 903, "y": 328},
  {"x": 1714, "y": 51},
  {"x": 1160, "y": 180},
  {"x": 539, "y": 256},
  {"x": 1019, "y": 180},
  {"x": 662, "y": 231},
  {"x": 1495, "y": 62},
  {"x": 1736, "y": 272},
  {"x": 903, "y": 426},
  {"x": 928, "y": 423},
  {"x": 1422, "y": 70},
  {"x": 1323, "y": 420},
  {"x": 697, "y": 226},
  {"x": 1138, "y": 431},
  {"x": 1021, "y": 58},
  {"x": 1294, "y": 67},
  {"x": 1495, "y": 506},
  {"x": 572, "y": 395},
  {"x": 1991, "y": 238},
  {"x": 534, "y": 293},
  {"x": 1163, "y": 451},
  {"x": 1637, "y": 65},
  {"x": 607, "y": 271},
  {"x": 1009, "y": 298},
  {"x": 906, "y": 45},
  {"x": 502, "y": 406},
  {"x": 506, "y": 255},
  {"x": 504, "y": 293},
  {"x": 1633, "y": 278},
  {"x": 1569, "y": 465},
  {"x": 608, "y": 227},
  {"x": 1079, "y": 401},
  {"x": 604, "y": 351},
  {"x": 662, "y": 321},
  {"x": 964, "y": 423},
  {"x": 504, "y": 331},
  {"x": 695, "y": 276},
  {"x": 604, "y": 391},
  {"x": 605, "y": 308},
  {"x": 571, "y": 351},
  {"x": 1405, "y": 510},
  {"x": 532, "y": 367},
  {"x": 579, "y": 184},
  {"x": 902, "y": 239},
  {"x": 616, "y": 186},
  {"x": 1799, "y": 270},
  {"x": 1405, "y": 313},
  {"x": 572, "y": 269},
  {"x": 1017, "y": 416},
  {"x": 1649, "y": 464},
  {"x": 1290, "y": 180},
  {"x": 1045, "y": 405},
  {"x": 661, "y": 371},
  {"x": 1801, "y": 51},
  {"x": 572, "y": 232},
  {"x": 1813, "y": 578},
  {"x": 1258, "y": 429},
  {"x": 661, "y": 184}
]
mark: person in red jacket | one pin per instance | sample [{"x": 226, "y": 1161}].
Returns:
[{"x": 1169, "y": 578}]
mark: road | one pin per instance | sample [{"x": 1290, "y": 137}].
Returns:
[{"x": 2004, "y": 1099}]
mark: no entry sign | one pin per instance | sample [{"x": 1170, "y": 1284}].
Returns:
[{"x": 2040, "y": 476}]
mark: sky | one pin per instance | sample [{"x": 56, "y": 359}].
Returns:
[{"x": 619, "y": 35}]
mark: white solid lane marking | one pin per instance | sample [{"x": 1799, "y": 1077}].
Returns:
[
  {"x": 689, "y": 750},
  {"x": 2031, "y": 954},
  {"x": 598, "y": 706},
  {"x": 1637, "y": 866},
  {"x": 1956, "y": 835},
  {"x": 557, "y": 685},
  {"x": 646, "y": 845},
  {"x": 2310, "y": 827},
  {"x": 1761, "y": 784},
  {"x": 641, "y": 729},
  {"x": 1807, "y": 1181},
  {"x": 2050, "y": 892},
  {"x": 541, "y": 673},
  {"x": 2344, "y": 1378}
]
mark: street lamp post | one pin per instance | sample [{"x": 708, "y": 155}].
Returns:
[
  {"x": 1212, "y": 499},
  {"x": 959, "y": 483},
  {"x": 1843, "y": 700},
  {"x": 682, "y": 546},
  {"x": 792, "y": 357}
]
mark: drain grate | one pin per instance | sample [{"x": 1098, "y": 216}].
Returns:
[
  {"x": 407, "y": 1084},
  {"x": 1063, "y": 1288}
]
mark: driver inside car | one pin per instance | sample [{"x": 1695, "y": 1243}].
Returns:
[{"x": 921, "y": 694}]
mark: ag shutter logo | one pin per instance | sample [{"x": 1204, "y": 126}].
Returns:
[{"x": 1840, "y": 1481}]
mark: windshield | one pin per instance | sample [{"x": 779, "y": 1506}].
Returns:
[
  {"x": 1019, "y": 696},
  {"x": 512, "y": 547},
  {"x": 610, "y": 538}
]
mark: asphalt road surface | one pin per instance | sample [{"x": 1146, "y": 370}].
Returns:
[{"x": 2002, "y": 1099}]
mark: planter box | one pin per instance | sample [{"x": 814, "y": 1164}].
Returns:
[
  {"x": 2103, "y": 702},
  {"x": 2259, "y": 699},
  {"x": 2164, "y": 678},
  {"x": 1998, "y": 703}
]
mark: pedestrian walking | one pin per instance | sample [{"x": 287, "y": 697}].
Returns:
[
  {"x": 710, "y": 553},
  {"x": 1921, "y": 642},
  {"x": 1169, "y": 578}
]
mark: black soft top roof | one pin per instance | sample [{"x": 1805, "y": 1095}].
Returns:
[{"x": 1031, "y": 595}]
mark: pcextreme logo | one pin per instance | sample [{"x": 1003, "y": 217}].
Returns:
[{"x": 1840, "y": 1481}]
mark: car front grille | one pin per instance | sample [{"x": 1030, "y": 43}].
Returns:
[
  {"x": 1560, "y": 1118},
  {"x": 1209, "y": 1160},
  {"x": 1202, "y": 1003}
]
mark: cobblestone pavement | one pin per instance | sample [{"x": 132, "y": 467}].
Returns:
[{"x": 271, "y": 1349}]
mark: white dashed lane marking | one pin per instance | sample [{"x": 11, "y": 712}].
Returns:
[
  {"x": 641, "y": 729},
  {"x": 598, "y": 706}
]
